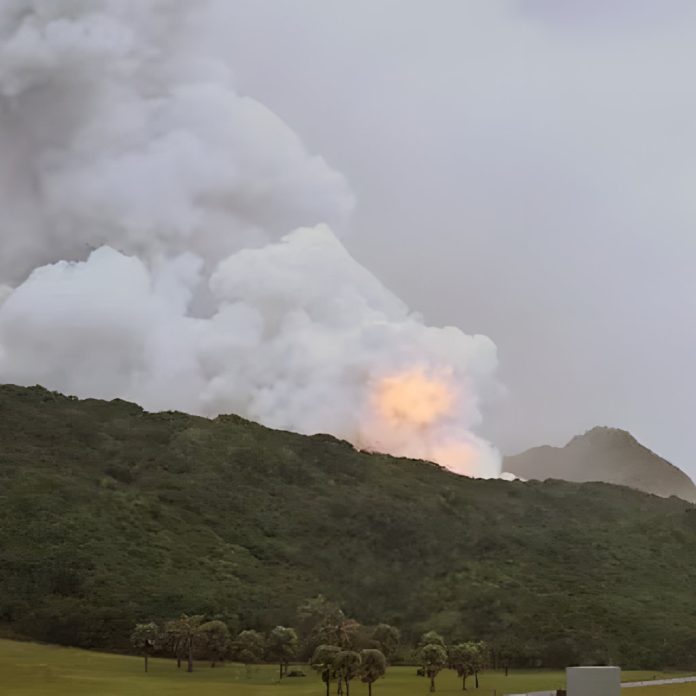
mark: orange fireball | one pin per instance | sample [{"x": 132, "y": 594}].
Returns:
[{"x": 413, "y": 398}]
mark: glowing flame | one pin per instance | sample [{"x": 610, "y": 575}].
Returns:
[
  {"x": 460, "y": 457},
  {"x": 413, "y": 398},
  {"x": 417, "y": 413}
]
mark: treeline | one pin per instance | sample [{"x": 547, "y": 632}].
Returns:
[
  {"x": 339, "y": 648},
  {"x": 320, "y": 624}
]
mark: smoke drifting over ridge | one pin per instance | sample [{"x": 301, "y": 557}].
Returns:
[{"x": 147, "y": 234}]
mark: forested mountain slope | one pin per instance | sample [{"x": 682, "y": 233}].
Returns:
[{"x": 110, "y": 515}]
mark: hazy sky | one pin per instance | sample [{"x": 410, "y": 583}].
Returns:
[{"x": 523, "y": 169}]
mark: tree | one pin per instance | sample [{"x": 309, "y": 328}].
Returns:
[
  {"x": 469, "y": 659},
  {"x": 505, "y": 652},
  {"x": 171, "y": 641},
  {"x": 213, "y": 638},
  {"x": 249, "y": 648},
  {"x": 282, "y": 646},
  {"x": 324, "y": 661},
  {"x": 479, "y": 657},
  {"x": 342, "y": 634},
  {"x": 460, "y": 658},
  {"x": 322, "y": 622},
  {"x": 313, "y": 615},
  {"x": 431, "y": 638},
  {"x": 388, "y": 638},
  {"x": 347, "y": 667},
  {"x": 432, "y": 657},
  {"x": 181, "y": 634},
  {"x": 373, "y": 665},
  {"x": 144, "y": 639}
]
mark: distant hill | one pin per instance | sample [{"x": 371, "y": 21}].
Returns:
[
  {"x": 604, "y": 454},
  {"x": 110, "y": 515}
]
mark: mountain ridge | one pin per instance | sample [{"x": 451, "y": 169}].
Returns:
[{"x": 606, "y": 454}]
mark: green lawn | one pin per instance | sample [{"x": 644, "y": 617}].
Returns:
[{"x": 27, "y": 669}]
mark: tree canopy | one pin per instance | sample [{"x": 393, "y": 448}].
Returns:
[
  {"x": 373, "y": 665},
  {"x": 433, "y": 658},
  {"x": 282, "y": 646},
  {"x": 144, "y": 639}
]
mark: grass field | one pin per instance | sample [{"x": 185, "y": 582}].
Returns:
[{"x": 27, "y": 669}]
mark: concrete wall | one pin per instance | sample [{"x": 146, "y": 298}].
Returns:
[{"x": 593, "y": 681}]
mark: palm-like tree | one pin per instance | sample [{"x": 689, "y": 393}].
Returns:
[
  {"x": 144, "y": 638},
  {"x": 324, "y": 661},
  {"x": 180, "y": 635},
  {"x": 340, "y": 633},
  {"x": 249, "y": 647},
  {"x": 461, "y": 659},
  {"x": 373, "y": 665},
  {"x": 433, "y": 657},
  {"x": 282, "y": 646},
  {"x": 214, "y": 638},
  {"x": 347, "y": 667}
]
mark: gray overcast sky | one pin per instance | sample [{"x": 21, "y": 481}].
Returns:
[{"x": 523, "y": 169}]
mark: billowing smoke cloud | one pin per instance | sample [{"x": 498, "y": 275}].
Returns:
[
  {"x": 147, "y": 209},
  {"x": 117, "y": 128}
]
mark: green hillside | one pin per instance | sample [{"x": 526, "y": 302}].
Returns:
[{"x": 109, "y": 515}]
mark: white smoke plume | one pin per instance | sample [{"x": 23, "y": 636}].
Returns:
[{"x": 148, "y": 210}]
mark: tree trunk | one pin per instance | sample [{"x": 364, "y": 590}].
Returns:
[
  {"x": 328, "y": 685},
  {"x": 432, "y": 684},
  {"x": 464, "y": 682},
  {"x": 369, "y": 688},
  {"x": 280, "y": 670},
  {"x": 339, "y": 688},
  {"x": 190, "y": 658},
  {"x": 146, "y": 662},
  {"x": 347, "y": 686},
  {"x": 506, "y": 669},
  {"x": 178, "y": 661},
  {"x": 212, "y": 664},
  {"x": 476, "y": 678}
]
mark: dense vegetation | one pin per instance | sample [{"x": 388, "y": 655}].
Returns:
[{"x": 110, "y": 516}]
